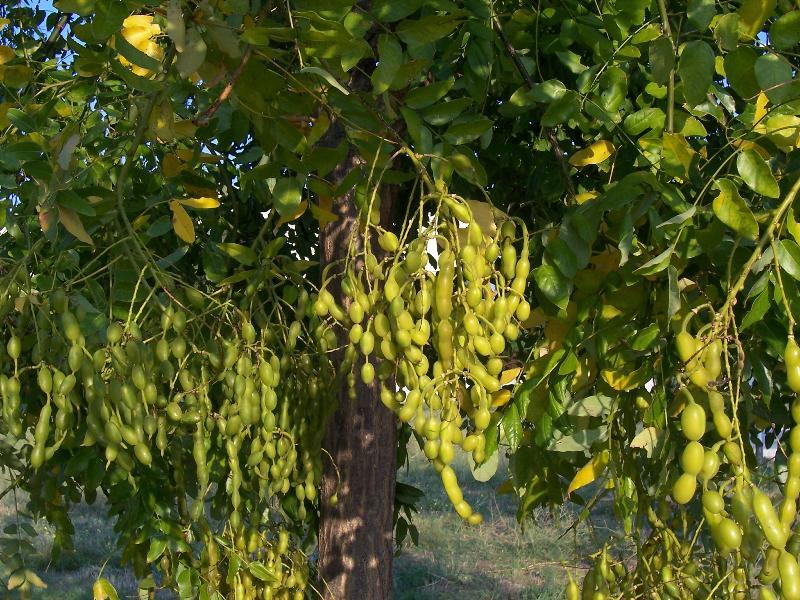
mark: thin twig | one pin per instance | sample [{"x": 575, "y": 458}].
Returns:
[
  {"x": 549, "y": 132},
  {"x": 204, "y": 119},
  {"x": 662, "y": 7},
  {"x": 44, "y": 49}
]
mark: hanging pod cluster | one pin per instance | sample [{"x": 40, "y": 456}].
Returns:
[
  {"x": 220, "y": 440},
  {"x": 729, "y": 539},
  {"x": 437, "y": 324}
]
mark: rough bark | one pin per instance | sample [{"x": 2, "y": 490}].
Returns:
[{"x": 356, "y": 542}]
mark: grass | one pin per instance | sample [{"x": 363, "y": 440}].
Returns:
[
  {"x": 495, "y": 560},
  {"x": 498, "y": 559}
]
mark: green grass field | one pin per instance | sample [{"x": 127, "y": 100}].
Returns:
[{"x": 495, "y": 560}]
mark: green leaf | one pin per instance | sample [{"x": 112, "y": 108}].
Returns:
[
  {"x": 103, "y": 590},
  {"x": 390, "y": 11},
  {"x": 80, "y": 7},
  {"x": 657, "y": 263},
  {"x": 240, "y": 253},
  {"x": 553, "y": 285},
  {"x": 731, "y": 209},
  {"x": 426, "y": 30},
  {"x": 758, "y": 310},
  {"x": 662, "y": 59},
  {"x": 286, "y": 195},
  {"x": 645, "y": 338},
  {"x": 774, "y": 76},
  {"x": 579, "y": 442},
  {"x": 157, "y": 547},
  {"x": 486, "y": 470},
  {"x": 726, "y": 31},
  {"x": 76, "y": 202},
  {"x": 740, "y": 71},
  {"x": 468, "y": 130},
  {"x": 789, "y": 257},
  {"x": 696, "y": 71},
  {"x": 194, "y": 53},
  {"x": 700, "y": 13},
  {"x": 785, "y": 32},
  {"x": 545, "y": 92},
  {"x": 792, "y": 226},
  {"x": 446, "y": 111},
  {"x": 512, "y": 426},
  {"x": 756, "y": 173},
  {"x": 642, "y": 120},
  {"x": 261, "y": 572},
  {"x": 562, "y": 110},
  {"x": 390, "y": 57},
  {"x": 326, "y": 76},
  {"x": 422, "y": 97},
  {"x": 591, "y": 406}
]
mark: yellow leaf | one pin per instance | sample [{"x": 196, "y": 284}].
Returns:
[
  {"x": 500, "y": 398},
  {"x": 536, "y": 318},
  {"x": 322, "y": 213},
  {"x": 72, "y": 223},
  {"x": 182, "y": 222},
  {"x": 646, "y": 439},
  {"x": 592, "y": 155},
  {"x": 4, "y": 122},
  {"x": 677, "y": 151},
  {"x": 748, "y": 145},
  {"x": 6, "y": 54},
  {"x": 783, "y": 131},
  {"x": 507, "y": 487},
  {"x": 622, "y": 382},
  {"x": 509, "y": 375},
  {"x": 140, "y": 221},
  {"x": 486, "y": 215},
  {"x": 752, "y": 14},
  {"x": 589, "y": 472},
  {"x": 172, "y": 166},
  {"x": 295, "y": 215},
  {"x": 46, "y": 219},
  {"x": 585, "y": 197},
  {"x": 103, "y": 590},
  {"x": 184, "y": 128},
  {"x": 4, "y": 23},
  {"x": 761, "y": 109},
  {"x": 200, "y": 202}
]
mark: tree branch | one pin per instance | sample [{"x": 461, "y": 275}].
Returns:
[
  {"x": 208, "y": 114},
  {"x": 548, "y": 131}
]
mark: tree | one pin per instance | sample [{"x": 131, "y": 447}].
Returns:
[{"x": 232, "y": 227}]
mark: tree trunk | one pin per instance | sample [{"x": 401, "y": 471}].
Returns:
[{"x": 356, "y": 542}]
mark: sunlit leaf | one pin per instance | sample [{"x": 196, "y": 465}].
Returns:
[
  {"x": 6, "y": 54},
  {"x": 103, "y": 590},
  {"x": 299, "y": 212},
  {"x": 753, "y": 14},
  {"x": 589, "y": 472},
  {"x": 200, "y": 203},
  {"x": 72, "y": 223},
  {"x": 731, "y": 209},
  {"x": 593, "y": 154},
  {"x": 756, "y": 174},
  {"x": 646, "y": 439},
  {"x": 181, "y": 222}
]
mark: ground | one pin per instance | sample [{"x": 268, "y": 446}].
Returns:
[{"x": 496, "y": 560}]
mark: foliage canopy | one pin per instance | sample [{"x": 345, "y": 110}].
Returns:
[{"x": 594, "y": 268}]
